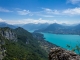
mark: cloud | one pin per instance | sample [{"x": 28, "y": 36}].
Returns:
[
  {"x": 36, "y": 21},
  {"x": 23, "y": 12},
  {"x": 1, "y": 20},
  {"x": 4, "y": 10},
  {"x": 26, "y": 21},
  {"x": 73, "y": 1},
  {"x": 67, "y": 12},
  {"x": 74, "y": 11},
  {"x": 31, "y": 14},
  {"x": 46, "y": 15},
  {"x": 50, "y": 11},
  {"x": 46, "y": 12}
]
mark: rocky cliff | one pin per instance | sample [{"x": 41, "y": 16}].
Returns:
[
  {"x": 2, "y": 48},
  {"x": 8, "y": 33},
  {"x": 5, "y": 33},
  {"x": 62, "y": 54}
]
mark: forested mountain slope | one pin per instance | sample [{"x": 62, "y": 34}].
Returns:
[{"x": 19, "y": 44}]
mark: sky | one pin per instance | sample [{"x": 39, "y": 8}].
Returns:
[{"x": 40, "y": 11}]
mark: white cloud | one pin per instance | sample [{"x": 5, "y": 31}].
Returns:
[
  {"x": 31, "y": 14},
  {"x": 46, "y": 15},
  {"x": 26, "y": 21},
  {"x": 50, "y": 11},
  {"x": 46, "y": 12},
  {"x": 73, "y": 1},
  {"x": 36, "y": 21},
  {"x": 1, "y": 20},
  {"x": 74, "y": 11},
  {"x": 23, "y": 12},
  {"x": 67, "y": 12},
  {"x": 4, "y": 10}
]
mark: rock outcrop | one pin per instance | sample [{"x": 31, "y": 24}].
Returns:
[
  {"x": 2, "y": 47},
  {"x": 8, "y": 34},
  {"x": 62, "y": 54},
  {"x": 5, "y": 33}
]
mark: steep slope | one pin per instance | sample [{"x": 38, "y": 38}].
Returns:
[
  {"x": 19, "y": 44},
  {"x": 2, "y": 48},
  {"x": 43, "y": 43},
  {"x": 6, "y": 34}
]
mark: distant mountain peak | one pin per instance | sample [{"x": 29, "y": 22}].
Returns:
[{"x": 4, "y": 24}]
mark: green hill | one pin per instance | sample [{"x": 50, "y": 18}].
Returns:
[{"x": 19, "y": 44}]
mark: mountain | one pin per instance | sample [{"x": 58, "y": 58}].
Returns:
[
  {"x": 64, "y": 24},
  {"x": 19, "y": 44},
  {"x": 77, "y": 27},
  {"x": 3, "y": 24},
  {"x": 52, "y": 28},
  {"x": 32, "y": 26},
  {"x": 60, "y": 29}
]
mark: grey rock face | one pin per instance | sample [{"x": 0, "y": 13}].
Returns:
[
  {"x": 10, "y": 35},
  {"x": 62, "y": 54},
  {"x": 5, "y": 34},
  {"x": 2, "y": 48}
]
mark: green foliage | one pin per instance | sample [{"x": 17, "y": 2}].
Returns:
[
  {"x": 68, "y": 46},
  {"x": 75, "y": 49},
  {"x": 21, "y": 51},
  {"x": 16, "y": 51}
]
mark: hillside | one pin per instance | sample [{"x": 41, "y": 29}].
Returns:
[
  {"x": 43, "y": 43},
  {"x": 19, "y": 44}
]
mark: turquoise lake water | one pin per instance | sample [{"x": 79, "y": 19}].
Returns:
[{"x": 63, "y": 40}]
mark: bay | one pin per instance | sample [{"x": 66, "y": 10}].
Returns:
[{"x": 63, "y": 40}]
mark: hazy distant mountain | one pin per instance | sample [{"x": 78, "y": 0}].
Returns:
[
  {"x": 32, "y": 26},
  {"x": 60, "y": 29},
  {"x": 3, "y": 24},
  {"x": 64, "y": 24},
  {"x": 77, "y": 27},
  {"x": 51, "y": 28},
  {"x": 54, "y": 26}
]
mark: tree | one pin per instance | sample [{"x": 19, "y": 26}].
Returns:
[{"x": 75, "y": 49}]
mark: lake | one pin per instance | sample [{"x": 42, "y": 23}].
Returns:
[{"x": 62, "y": 40}]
